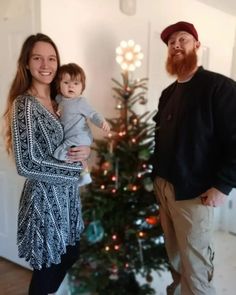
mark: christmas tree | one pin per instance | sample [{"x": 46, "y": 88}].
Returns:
[{"x": 123, "y": 236}]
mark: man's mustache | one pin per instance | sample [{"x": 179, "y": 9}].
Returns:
[{"x": 177, "y": 51}]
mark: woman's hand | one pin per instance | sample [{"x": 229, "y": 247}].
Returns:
[{"x": 78, "y": 153}]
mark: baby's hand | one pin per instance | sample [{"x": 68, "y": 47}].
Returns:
[
  {"x": 58, "y": 112},
  {"x": 105, "y": 126}
]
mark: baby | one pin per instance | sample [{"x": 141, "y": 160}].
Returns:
[{"x": 74, "y": 111}]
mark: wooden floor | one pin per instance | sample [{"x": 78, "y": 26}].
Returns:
[{"x": 14, "y": 279}]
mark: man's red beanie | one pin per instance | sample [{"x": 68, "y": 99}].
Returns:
[{"x": 180, "y": 26}]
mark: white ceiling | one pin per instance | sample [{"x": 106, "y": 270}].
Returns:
[{"x": 228, "y": 6}]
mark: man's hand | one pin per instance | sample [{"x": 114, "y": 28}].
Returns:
[{"x": 213, "y": 197}]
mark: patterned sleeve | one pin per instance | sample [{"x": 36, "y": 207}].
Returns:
[{"x": 33, "y": 159}]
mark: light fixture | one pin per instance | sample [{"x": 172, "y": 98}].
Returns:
[
  {"x": 129, "y": 55},
  {"x": 128, "y": 6}
]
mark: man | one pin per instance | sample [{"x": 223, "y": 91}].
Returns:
[{"x": 194, "y": 163}]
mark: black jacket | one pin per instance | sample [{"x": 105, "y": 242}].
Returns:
[{"x": 204, "y": 152}]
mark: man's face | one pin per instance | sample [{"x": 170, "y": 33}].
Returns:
[
  {"x": 182, "y": 57},
  {"x": 180, "y": 43}
]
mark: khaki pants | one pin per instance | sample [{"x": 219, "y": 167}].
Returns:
[{"x": 187, "y": 227}]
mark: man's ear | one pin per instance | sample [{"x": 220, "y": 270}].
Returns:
[{"x": 198, "y": 44}]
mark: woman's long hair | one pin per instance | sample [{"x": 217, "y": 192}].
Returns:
[{"x": 22, "y": 82}]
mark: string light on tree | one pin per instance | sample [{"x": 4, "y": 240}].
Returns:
[
  {"x": 141, "y": 234},
  {"x": 114, "y": 237},
  {"x": 116, "y": 247},
  {"x": 129, "y": 55}
]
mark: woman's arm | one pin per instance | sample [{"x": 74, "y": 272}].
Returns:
[{"x": 30, "y": 161}]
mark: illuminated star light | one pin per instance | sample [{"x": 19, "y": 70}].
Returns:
[{"x": 129, "y": 55}]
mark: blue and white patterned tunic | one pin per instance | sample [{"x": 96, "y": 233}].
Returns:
[{"x": 50, "y": 209}]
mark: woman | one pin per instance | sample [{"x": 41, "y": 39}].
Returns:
[{"x": 49, "y": 220}]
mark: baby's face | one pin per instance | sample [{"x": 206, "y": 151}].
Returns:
[{"x": 70, "y": 87}]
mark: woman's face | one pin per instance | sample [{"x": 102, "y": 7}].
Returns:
[{"x": 42, "y": 63}]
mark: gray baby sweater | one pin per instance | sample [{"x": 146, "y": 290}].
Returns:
[{"x": 74, "y": 113}]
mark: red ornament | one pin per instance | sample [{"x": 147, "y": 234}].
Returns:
[{"x": 152, "y": 220}]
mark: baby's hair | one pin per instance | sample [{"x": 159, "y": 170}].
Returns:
[{"x": 74, "y": 71}]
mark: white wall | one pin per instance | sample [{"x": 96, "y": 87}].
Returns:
[{"x": 88, "y": 31}]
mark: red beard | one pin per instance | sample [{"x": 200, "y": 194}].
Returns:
[{"x": 182, "y": 67}]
